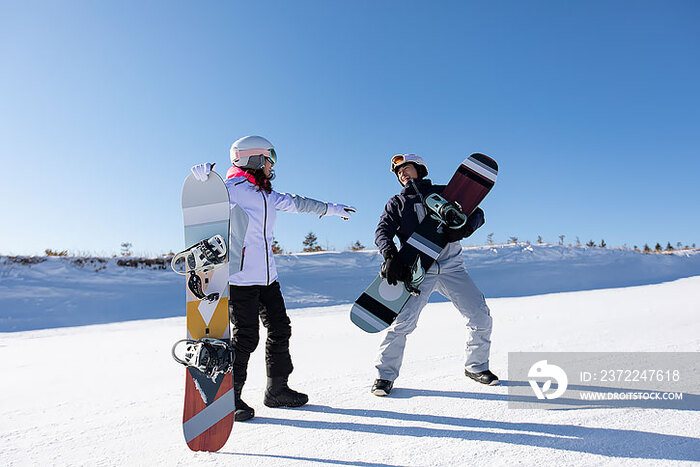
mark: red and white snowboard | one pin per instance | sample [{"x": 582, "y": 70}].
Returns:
[{"x": 209, "y": 403}]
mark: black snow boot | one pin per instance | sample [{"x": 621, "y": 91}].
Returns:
[
  {"x": 243, "y": 411},
  {"x": 382, "y": 387},
  {"x": 483, "y": 377},
  {"x": 278, "y": 394}
]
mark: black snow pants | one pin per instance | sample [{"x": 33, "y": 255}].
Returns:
[{"x": 248, "y": 305}]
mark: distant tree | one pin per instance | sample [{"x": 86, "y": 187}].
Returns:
[
  {"x": 603, "y": 244},
  {"x": 311, "y": 243},
  {"x": 561, "y": 239},
  {"x": 539, "y": 239},
  {"x": 513, "y": 240},
  {"x": 578, "y": 241},
  {"x": 635, "y": 248},
  {"x": 669, "y": 247},
  {"x": 489, "y": 238},
  {"x": 693, "y": 245},
  {"x": 646, "y": 248},
  {"x": 277, "y": 248},
  {"x": 678, "y": 245},
  {"x": 357, "y": 246},
  {"x": 657, "y": 247},
  {"x": 126, "y": 249},
  {"x": 591, "y": 243}
]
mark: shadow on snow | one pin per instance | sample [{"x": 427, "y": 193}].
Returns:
[{"x": 610, "y": 442}]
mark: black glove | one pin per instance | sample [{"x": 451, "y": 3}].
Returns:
[
  {"x": 394, "y": 270},
  {"x": 474, "y": 221}
]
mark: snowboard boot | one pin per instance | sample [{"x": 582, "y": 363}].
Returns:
[
  {"x": 278, "y": 394},
  {"x": 243, "y": 411},
  {"x": 382, "y": 387},
  {"x": 483, "y": 377}
]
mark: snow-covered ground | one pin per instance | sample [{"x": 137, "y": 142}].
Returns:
[{"x": 110, "y": 394}]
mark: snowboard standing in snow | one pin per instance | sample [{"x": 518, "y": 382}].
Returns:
[
  {"x": 381, "y": 302},
  {"x": 209, "y": 396}
]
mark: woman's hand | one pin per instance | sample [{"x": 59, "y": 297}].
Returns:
[
  {"x": 201, "y": 171},
  {"x": 340, "y": 210}
]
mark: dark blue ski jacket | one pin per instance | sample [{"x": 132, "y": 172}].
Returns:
[{"x": 402, "y": 214}]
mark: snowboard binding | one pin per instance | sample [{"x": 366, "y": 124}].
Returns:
[
  {"x": 211, "y": 357},
  {"x": 446, "y": 212},
  {"x": 200, "y": 258}
]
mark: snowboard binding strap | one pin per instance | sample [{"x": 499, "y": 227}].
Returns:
[
  {"x": 194, "y": 284},
  {"x": 446, "y": 212},
  {"x": 211, "y": 357},
  {"x": 417, "y": 276}
]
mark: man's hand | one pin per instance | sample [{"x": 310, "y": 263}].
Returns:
[
  {"x": 394, "y": 270},
  {"x": 474, "y": 221}
]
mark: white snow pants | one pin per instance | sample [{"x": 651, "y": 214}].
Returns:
[{"x": 448, "y": 277}]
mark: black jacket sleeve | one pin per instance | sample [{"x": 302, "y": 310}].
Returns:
[{"x": 389, "y": 223}]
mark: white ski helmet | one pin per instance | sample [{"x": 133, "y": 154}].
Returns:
[
  {"x": 402, "y": 159},
  {"x": 250, "y": 152}
]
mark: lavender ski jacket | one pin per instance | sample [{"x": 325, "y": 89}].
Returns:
[{"x": 253, "y": 216}]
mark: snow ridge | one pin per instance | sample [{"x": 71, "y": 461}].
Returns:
[{"x": 48, "y": 292}]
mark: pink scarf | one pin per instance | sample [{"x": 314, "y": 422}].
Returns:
[{"x": 234, "y": 171}]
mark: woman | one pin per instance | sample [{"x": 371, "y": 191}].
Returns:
[{"x": 254, "y": 291}]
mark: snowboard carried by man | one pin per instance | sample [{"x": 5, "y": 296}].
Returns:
[{"x": 429, "y": 221}]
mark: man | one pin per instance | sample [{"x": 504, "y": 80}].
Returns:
[{"x": 447, "y": 275}]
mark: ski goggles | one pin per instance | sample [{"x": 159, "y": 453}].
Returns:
[
  {"x": 257, "y": 157},
  {"x": 401, "y": 159}
]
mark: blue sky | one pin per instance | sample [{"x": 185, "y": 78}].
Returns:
[{"x": 592, "y": 110}]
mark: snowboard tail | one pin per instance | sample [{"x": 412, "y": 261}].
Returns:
[
  {"x": 380, "y": 303},
  {"x": 378, "y": 306},
  {"x": 207, "y": 426}
]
